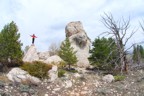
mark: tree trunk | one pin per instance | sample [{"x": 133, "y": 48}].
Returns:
[{"x": 69, "y": 67}]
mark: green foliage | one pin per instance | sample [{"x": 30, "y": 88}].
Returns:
[
  {"x": 61, "y": 72},
  {"x": 119, "y": 77},
  {"x": 73, "y": 71},
  {"x": 67, "y": 53},
  {"x": 37, "y": 69},
  {"x": 103, "y": 54},
  {"x": 10, "y": 45},
  {"x": 138, "y": 53}
]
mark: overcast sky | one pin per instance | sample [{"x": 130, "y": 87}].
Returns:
[{"x": 47, "y": 18}]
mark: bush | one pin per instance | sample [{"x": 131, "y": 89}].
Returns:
[
  {"x": 119, "y": 77},
  {"x": 37, "y": 69},
  {"x": 61, "y": 72}
]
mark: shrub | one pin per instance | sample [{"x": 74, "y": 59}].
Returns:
[
  {"x": 61, "y": 72},
  {"x": 37, "y": 69},
  {"x": 119, "y": 77}
]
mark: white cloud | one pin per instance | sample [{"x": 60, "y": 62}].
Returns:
[{"x": 48, "y": 18}]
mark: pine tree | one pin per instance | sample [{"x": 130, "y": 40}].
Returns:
[
  {"x": 138, "y": 54},
  {"x": 104, "y": 53},
  {"x": 10, "y": 45},
  {"x": 67, "y": 53}
]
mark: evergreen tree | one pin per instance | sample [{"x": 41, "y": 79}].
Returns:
[
  {"x": 67, "y": 53},
  {"x": 10, "y": 45},
  {"x": 138, "y": 54},
  {"x": 104, "y": 53}
]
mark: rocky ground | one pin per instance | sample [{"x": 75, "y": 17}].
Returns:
[{"x": 86, "y": 83}]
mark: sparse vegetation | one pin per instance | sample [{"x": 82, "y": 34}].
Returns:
[
  {"x": 37, "y": 69},
  {"x": 119, "y": 77},
  {"x": 61, "y": 72}
]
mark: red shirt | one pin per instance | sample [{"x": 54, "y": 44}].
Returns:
[{"x": 33, "y": 36}]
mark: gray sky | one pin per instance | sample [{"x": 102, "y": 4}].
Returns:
[{"x": 47, "y": 18}]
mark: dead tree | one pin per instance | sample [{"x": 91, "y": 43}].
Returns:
[{"x": 118, "y": 30}]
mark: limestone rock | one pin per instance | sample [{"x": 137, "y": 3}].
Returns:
[
  {"x": 53, "y": 73},
  {"x": 43, "y": 55},
  {"x": 31, "y": 55},
  {"x": 108, "y": 78},
  {"x": 68, "y": 84},
  {"x": 79, "y": 41},
  {"x": 19, "y": 75},
  {"x": 53, "y": 59}
]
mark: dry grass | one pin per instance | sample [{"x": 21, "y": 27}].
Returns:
[{"x": 4, "y": 78}]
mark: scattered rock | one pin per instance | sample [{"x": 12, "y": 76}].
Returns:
[
  {"x": 108, "y": 78},
  {"x": 77, "y": 75},
  {"x": 24, "y": 88},
  {"x": 2, "y": 84},
  {"x": 68, "y": 84},
  {"x": 46, "y": 95}
]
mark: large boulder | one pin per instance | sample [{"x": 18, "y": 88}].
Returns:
[
  {"x": 79, "y": 41},
  {"x": 31, "y": 55},
  {"x": 19, "y": 75}
]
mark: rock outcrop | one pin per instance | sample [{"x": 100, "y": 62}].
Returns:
[
  {"x": 43, "y": 55},
  {"x": 19, "y": 75},
  {"x": 79, "y": 41},
  {"x": 31, "y": 55}
]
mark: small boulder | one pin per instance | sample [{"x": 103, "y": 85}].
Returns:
[
  {"x": 53, "y": 73},
  {"x": 68, "y": 84},
  {"x": 108, "y": 78}
]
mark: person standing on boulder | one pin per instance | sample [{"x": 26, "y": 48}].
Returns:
[{"x": 33, "y": 38}]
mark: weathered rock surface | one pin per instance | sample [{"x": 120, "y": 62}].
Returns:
[
  {"x": 19, "y": 75},
  {"x": 43, "y": 55},
  {"x": 79, "y": 41},
  {"x": 53, "y": 59},
  {"x": 31, "y": 55},
  {"x": 108, "y": 78},
  {"x": 53, "y": 73}
]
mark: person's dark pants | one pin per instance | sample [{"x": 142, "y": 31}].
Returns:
[{"x": 33, "y": 40}]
